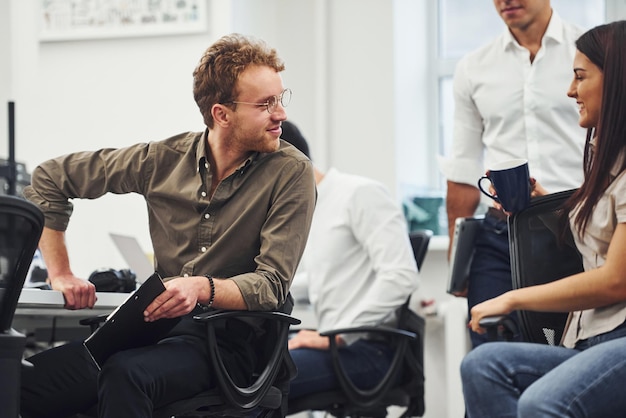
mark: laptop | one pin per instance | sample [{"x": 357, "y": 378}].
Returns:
[
  {"x": 462, "y": 252},
  {"x": 134, "y": 255}
]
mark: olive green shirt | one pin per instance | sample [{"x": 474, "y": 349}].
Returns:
[{"x": 252, "y": 231}]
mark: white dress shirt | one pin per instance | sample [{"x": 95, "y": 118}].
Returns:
[
  {"x": 507, "y": 107},
  {"x": 358, "y": 265}
]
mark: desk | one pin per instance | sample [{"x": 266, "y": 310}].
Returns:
[
  {"x": 41, "y": 312},
  {"x": 39, "y": 302}
]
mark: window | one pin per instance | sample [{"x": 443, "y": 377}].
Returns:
[
  {"x": 418, "y": 172},
  {"x": 453, "y": 44}
]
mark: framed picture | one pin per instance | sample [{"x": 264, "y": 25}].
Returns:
[{"x": 62, "y": 20}]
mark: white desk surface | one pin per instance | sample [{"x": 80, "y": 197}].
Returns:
[{"x": 39, "y": 302}]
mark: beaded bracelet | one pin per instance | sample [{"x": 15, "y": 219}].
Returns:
[{"x": 212, "y": 297}]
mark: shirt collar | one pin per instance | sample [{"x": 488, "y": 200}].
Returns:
[
  {"x": 202, "y": 150},
  {"x": 554, "y": 31}
]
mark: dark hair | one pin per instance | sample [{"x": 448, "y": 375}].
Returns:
[
  {"x": 292, "y": 134},
  {"x": 605, "y": 46},
  {"x": 215, "y": 77}
]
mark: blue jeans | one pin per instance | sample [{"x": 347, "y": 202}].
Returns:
[
  {"x": 502, "y": 379},
  {"x": 365, "y": 362},
  {"x": 490, "y": 273}
]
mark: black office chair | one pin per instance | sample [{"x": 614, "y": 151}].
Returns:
[
  {"x": 403, "y": 384},
  {"x": 21, "y": 224},
  {"x": 419, "y": 242},
  {"x": 541, "y": 252},
  {"x": 266, "y": 396}
]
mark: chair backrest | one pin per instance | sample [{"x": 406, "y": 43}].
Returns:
[
  {"x": 419, "y": 242},
  {"x": 541, "y": 252},
  {"x": 21, "y": 223},
  {"x": 412, "y": 379},
  {"x": 402, "y": 385}
]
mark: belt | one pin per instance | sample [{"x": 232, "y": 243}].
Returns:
[{"x": 497, "y": 214}]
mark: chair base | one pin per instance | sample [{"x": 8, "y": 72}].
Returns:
[
  {"x": 212, "y": 404},
  {"x": 336, "y": 404},
  {"x": 12, "y": 345}
]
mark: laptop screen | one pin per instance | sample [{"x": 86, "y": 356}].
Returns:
[{"x": 134, "y": 255}]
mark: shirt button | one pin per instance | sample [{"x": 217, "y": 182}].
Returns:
[
  {"x": 203, "y": 194},
  {"x": 203, "y": 249},
  {"x": 185, "y": 275},
  {"x": 206, "y": 165},
  {"x": 207, "y": 216}
]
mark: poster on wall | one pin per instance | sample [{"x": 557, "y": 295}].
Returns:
[{"x": 62, "y": 20}]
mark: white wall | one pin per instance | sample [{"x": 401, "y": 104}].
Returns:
[{"x": 88, "y": 94}]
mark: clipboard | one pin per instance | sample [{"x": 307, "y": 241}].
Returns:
[
  {"x": 125, "y": 327},
  {"x": 462, "y": 252}
]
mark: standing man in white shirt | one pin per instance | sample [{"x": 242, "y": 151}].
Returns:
[
  {"x": 510, "y": 102},
  {"x": 358, "y": 267}
]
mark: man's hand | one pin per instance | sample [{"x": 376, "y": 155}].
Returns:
[
  {"x": 461, "y": 293},
  {"x": 179, "y": 298},
  {"x": 78, "y": 293},
  {"x": 311, "y": 339}
]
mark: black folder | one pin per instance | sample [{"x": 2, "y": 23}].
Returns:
[
  {"x": 125, "y": 327},
  {"x": 462, "y": 253}
]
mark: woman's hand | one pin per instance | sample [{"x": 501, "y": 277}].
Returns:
[
  {"x": 497, "y": 306},
  {"x": 536, "y": 189}
]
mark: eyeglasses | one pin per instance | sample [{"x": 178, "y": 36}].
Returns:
[{"x": 284, "y": 98}]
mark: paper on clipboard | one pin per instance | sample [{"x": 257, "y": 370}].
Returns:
[{"x": 125, "y": 327}]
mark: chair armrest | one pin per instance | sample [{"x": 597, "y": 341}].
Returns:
[
  {"x": 383, "y": 330},
  {"x": 221, "y": 314},
  {"x": 366, "y": 398},
  {"x": 499, "y": 326},
  {"x": 250, "y": 396},
  {"x": 94, "y": 321}
]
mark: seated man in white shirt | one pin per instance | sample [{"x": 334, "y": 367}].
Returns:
[{"x": 357, "y": 268}]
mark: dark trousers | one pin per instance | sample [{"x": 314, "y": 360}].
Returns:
[
  {"x": 365, "y": 362},
  {"x": 64, "y": 380},
  {"x": 490, "y": 273}
]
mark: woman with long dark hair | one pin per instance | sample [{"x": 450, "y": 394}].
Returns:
[{"x": 585, "y": 375}]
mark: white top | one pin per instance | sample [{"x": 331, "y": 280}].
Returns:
[
  {"x": 506, "y": 107},
  {"x": 607, "y": 214},
  {"x": 358, "y": 264}
]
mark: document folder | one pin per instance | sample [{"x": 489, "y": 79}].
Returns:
[
  {"x": 462, "y": 252},
  {"x": 125, "y": 327}
]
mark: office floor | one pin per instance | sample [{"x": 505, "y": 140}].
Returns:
[{"x": 393, "y": 412}]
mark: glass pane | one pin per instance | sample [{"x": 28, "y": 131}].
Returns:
[
  {"x": 478, "y": 30},
  {"x": 584, "y": 13},
  {"x": 466, "y": 25},
  {"x": 446, "y": 112}
]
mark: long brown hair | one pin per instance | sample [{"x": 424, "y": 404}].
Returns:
[{"x": 605, "y": 46}]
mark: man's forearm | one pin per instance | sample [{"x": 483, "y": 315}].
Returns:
[{"x": 54, "y": 252}]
